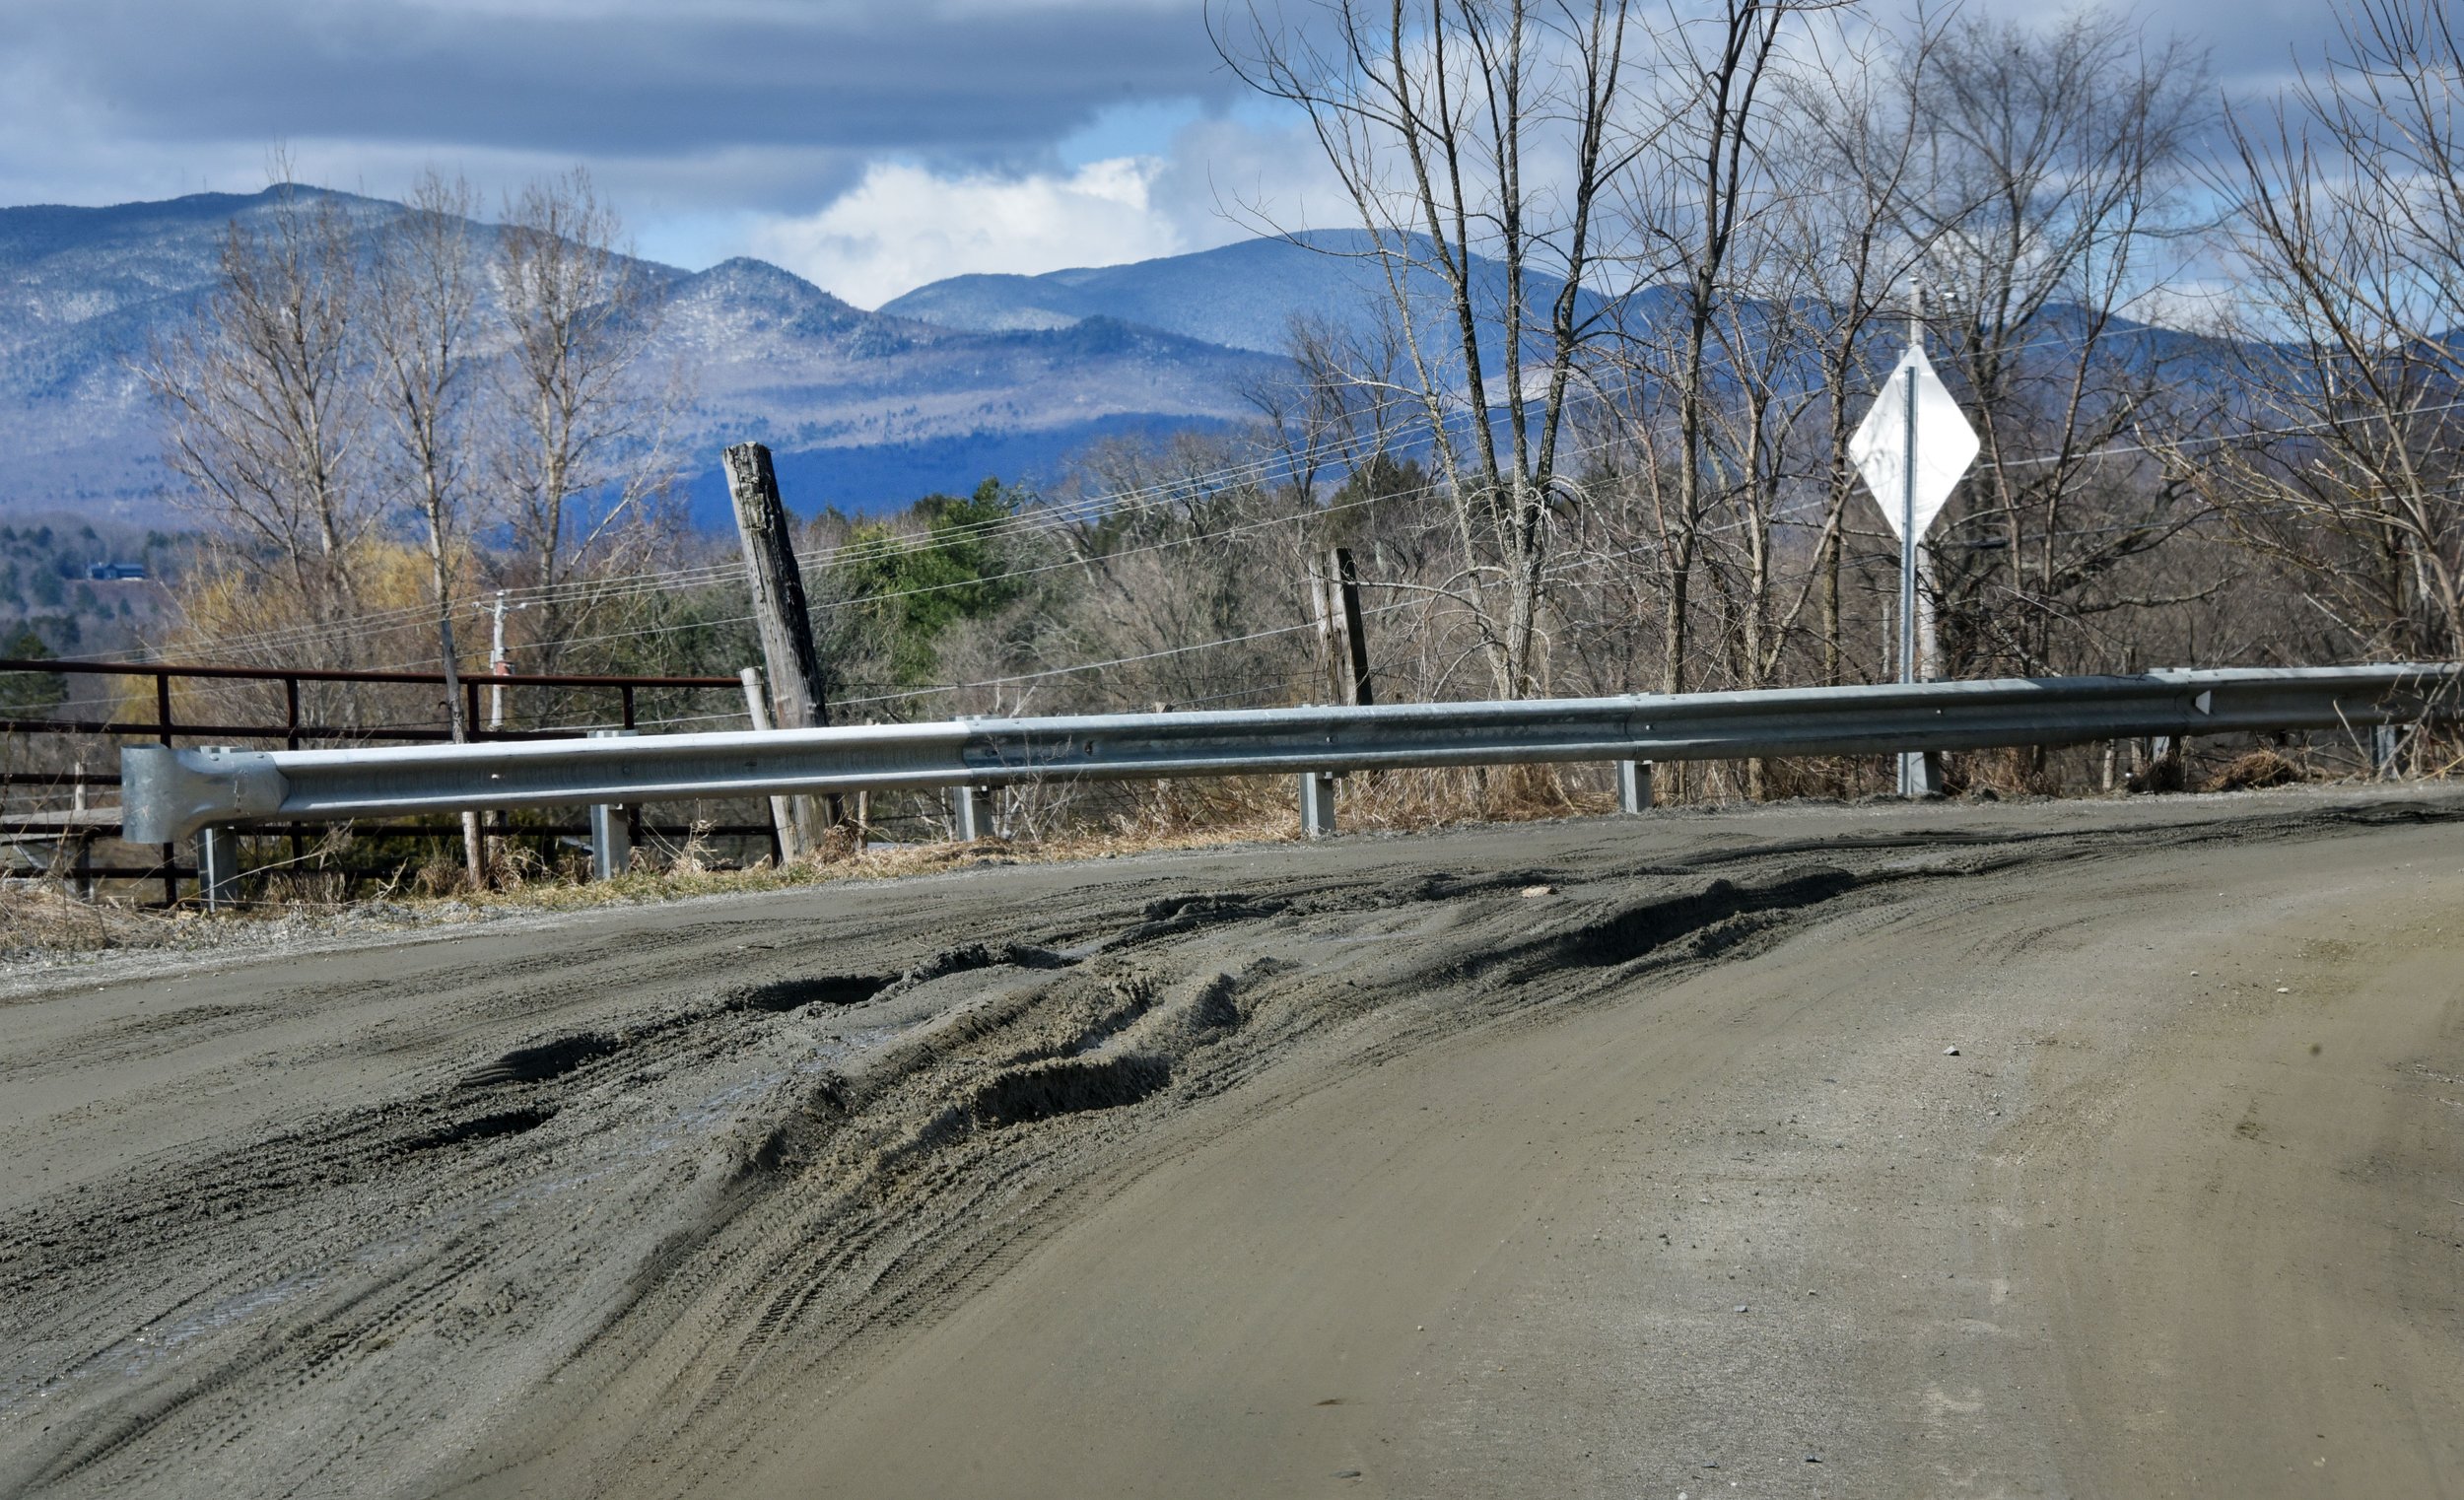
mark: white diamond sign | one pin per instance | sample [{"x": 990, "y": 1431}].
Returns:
[{"x": 1945, "y": 444}]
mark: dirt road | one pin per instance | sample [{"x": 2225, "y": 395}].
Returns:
[{"x": 2093, "y": 1149}]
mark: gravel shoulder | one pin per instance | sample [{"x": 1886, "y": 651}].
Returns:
[{"x": 1407, "y": 1166}]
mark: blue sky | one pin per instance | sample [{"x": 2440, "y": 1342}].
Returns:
[{"x": 870, "y": 145}]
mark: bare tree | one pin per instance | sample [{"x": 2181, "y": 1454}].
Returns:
[
  {"x": 1338, "y": 409},
  {"x": 265, "y": 408},
  {"x": 1704, "y": 181},
  {"x": 2340, "y": 455},
  {"x": 422, "y": 320},
  {"x": 585, "y": 449},
  {"x": 1853, "y": 132},
  {"x": 2051, "y": 181},
  {"x": 1475, "y": 140}
]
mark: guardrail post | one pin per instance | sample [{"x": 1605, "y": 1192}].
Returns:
[
  {"x": 2383, "y": 741},
  {"x": 1633, "y": 786},
  {"x": 611, "y": 834},
  {"x": 1920, "y": 773},
  {"x": 217, "y": 864},
  {"x": 974, "y": 807},
  {"x": 163, "y": 730},
  {"x": 1317, "y": 804}
]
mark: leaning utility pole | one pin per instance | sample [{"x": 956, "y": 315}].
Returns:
[
  {"x": 798, "y": 694},
  {"x": 1343, "y": 648},
  {"x": 1344, "y": 586}
]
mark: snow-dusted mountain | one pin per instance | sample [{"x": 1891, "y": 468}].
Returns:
[
  {"x": 951, "y": 383},
  {"x": 865, "y": 410},
  {"x": 1241, "y": 295}
]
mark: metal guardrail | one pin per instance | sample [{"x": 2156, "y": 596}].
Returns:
[
  {"x": 124, "y": 717},
  {"x": 168, "y": 794}
]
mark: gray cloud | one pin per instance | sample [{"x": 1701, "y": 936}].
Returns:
[
  {"x": 712, "y": 123},
  {"x": 985, "y": 84}
]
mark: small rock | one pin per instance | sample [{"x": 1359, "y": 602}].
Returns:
[
  {"x": 1344, "y": 1473},
  {"x": 2282, "y": 989},
  {"x": 1740, "y": 1307},
  {"x": 1810, "y": 1458},
  {"x": 1951, "y": 1051},
  {"x": 1529, "y": 891}
]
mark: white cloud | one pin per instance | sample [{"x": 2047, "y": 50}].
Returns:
[{"x": 903, "y": 226}]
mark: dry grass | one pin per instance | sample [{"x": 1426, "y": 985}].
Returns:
[
  {"x": 2255, "y": 770},
  {"x": 1054, "y": 824},
  {"x": 42, "y": 917},
  {"x": 1163, "y": 817}
]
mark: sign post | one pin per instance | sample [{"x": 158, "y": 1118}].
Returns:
[{"x": 1912, "y": 449}]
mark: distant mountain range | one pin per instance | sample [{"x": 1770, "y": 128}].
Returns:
[
  {"x": 971, "y": 377},
  {"x": 865, "y": 410}
]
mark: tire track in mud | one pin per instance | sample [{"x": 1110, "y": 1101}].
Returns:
[
  {"x": 705, "y": 1200},
  {"x": 897, "y": 1280}
]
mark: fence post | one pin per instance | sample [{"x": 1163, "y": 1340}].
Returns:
[
  {"x": 1317, "y": 804},
  {"x": 1633, "y": 786},
  {"x": 787, "y": 831},
  {"x": 611, "y": 841},
  {"x": 217, "y": 864}
]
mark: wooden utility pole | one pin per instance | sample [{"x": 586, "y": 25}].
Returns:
[
  {"x": 1343, "y": 585},
  {"x": 1342, "y": 647},
  {"x": 798, "y": 694},
  {"x": 1322, "y": 614}
]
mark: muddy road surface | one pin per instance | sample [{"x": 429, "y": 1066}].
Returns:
[{"x": 2050, "y": 1149}]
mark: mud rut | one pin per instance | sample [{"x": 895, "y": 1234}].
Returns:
[{"x": 633, "y": 1179}]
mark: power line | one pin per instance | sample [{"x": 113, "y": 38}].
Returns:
[{"x": 1097, "y": 666}]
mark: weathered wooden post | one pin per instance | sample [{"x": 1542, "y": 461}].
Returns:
[
  {"x": 799, "y": 693},
  {"x": 1345, "y": 589},
  {"x": 783, "y": 819},
  {"x": 1322, "y": 615}
]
